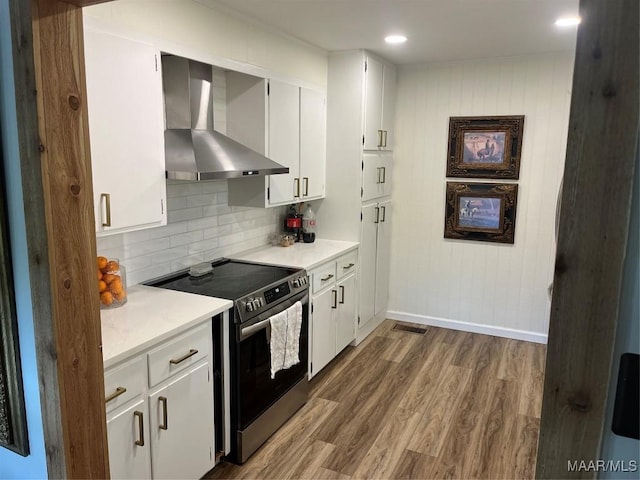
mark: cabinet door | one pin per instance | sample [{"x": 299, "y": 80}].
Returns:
[
  {"x": 383, "y": 253},
  {"x": 346, "y": 319},
  {"x": 376, "y": 175},
  {"x": 284, "y": 141},
  {"x": 323, "y": 333},
  {"x": 182, "y": 429},
  {"x": 372, "y": 104},
  {"x": 386, "y": 172},
  {"x": 125, "y": 104},
  {"x": 312, "y": 144},
  {"x": 367, "y": 264},
  {"x": 388, "y": 106},
  {"x": 128, "y": 438}
]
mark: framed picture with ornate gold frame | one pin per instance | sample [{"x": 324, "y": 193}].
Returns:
[
  {"x": 481, "y": 211},
  {"x": 13, "y": 420},
  {"x": 485, "y": 147}
]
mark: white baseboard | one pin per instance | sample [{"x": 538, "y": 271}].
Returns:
[{"x": 468, "y": 327}]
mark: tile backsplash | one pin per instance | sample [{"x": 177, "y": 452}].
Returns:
[{"x": 200, "y": 227}]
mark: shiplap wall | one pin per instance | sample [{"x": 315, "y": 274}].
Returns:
[{"x": 484, "y": 287}]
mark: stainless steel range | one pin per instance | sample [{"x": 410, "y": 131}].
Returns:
[{"x": 259, "y": 404}]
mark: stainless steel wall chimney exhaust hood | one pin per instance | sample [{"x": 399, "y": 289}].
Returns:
[{"x": 193, "y": 149}]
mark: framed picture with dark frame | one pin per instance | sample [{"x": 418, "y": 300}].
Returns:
[
  {"x": 485, "y": 147},
  {"x": 13, "y": 422},
  {"x": 481, "y": 211}
]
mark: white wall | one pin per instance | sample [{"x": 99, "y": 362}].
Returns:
[
  {"x": 188, "y": 28},
  {"x": 493, "y": 288}
]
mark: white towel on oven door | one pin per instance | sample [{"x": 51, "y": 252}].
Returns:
[
  {"x": 292, "y": 352},
  {"x": 285, "y": 338},
  {"x": 278, "y": 342}
]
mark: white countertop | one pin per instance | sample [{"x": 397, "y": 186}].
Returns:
[
  {"x": 150, "y": 316},
  {"x": 303, "y": 255}
]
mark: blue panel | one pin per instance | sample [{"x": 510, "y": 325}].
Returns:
[{"x": 13, "y": 465}]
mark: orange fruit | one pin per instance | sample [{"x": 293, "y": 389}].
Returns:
[
  {"x": 112, "y": 266},
  {"x": 116, "y": 286},
  {"x": 106, "y": 298},
  {"x": 120, "y": 296},
  {"x": 102, "y": 262},
  {"x": 99, "y": 275},
  {"x": 102, "y": 286},
  {"x": 109, "y": 277}
]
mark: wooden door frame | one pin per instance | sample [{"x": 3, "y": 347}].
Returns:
[{"x": 58, "y": 193}]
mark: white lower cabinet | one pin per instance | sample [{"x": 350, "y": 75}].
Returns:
[
  {"x": 128, "y": 438},
  {"x": 346, "y": 313},
  {"x": 333, "y": 313},
  {"x": 375, "y": 250},
  {"x": 182, "y": 426},
  {"x": 160, "y": 420}
]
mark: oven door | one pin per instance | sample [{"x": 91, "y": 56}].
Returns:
[{"x": 257, "y": 391}]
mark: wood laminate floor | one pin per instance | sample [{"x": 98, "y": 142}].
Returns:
[{"x": 445, "y": 404}]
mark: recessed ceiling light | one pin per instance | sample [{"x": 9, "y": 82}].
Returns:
[
  {"x": 567, "y": 21},
  {"x": 395, "y": 39}
]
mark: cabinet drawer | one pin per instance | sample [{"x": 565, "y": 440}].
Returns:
[
  {"x": 347, "y": 264},
  {"x": 323, "y": 276},
  {"x": 124, "y": 383},
  {"x": 177, "y": 354}
]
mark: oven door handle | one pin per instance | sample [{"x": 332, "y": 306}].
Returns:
[
  {"x": 256, "y": 327},
  {"x": 264, "y": 317}
]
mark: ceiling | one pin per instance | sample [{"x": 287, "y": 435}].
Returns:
[{"x": 437, "y": 30}]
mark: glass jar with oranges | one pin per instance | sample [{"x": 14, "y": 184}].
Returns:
[{"x": 112, "y": 283}]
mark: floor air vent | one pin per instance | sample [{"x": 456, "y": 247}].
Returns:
[{"x": 407, "y": 328}]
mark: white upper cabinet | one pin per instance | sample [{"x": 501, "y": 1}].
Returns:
[
  {"x": 379, "y": 105},
  {"x": 125, "y": 104},
  {"x": 284, "y": 141},
  {"x": 312, "y": 144},
  {"x": 295, "y": 137}
]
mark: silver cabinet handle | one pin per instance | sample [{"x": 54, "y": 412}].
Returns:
[
  {"x": 377, "y": 220},
  {"x": 384, "y": 174},
  {"x": 306, "y": 186},
  {"x": 328, "y": 277},
  {"x": 106, "y": 197},
  {"x": 380, "y": 138},
  {"x": 176, "y": 361},
  {"x": 342, "y": 294},
  {"x": 379, "y": 169},
  {"x": 385, "y": 138},
  {"x": 334, "y": 295},
  {"x": 384, "y": 214},
  {"x": 119, "y": 391},
  {"x": 349, "y": 266},
  {"x": 165, "y": 423},
  {"x": 140, "y": 441}
]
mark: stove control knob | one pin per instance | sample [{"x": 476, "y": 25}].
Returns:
[
  {"x": 259, "y": 302},
  {"x": 300, "y": 282},
  {"x": 249, "y": 306}
]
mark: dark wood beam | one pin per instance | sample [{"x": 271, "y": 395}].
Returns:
[
  {"x": 68, "y": 211},
  {"x": 594, "y": 222}
]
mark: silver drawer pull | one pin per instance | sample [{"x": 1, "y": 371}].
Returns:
[
  {"x": 119, "y": 391},
  {"x": 328, "y": 277},
  {"x": 175, "y": 361},
  {"x": 349, "y": 266}
]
